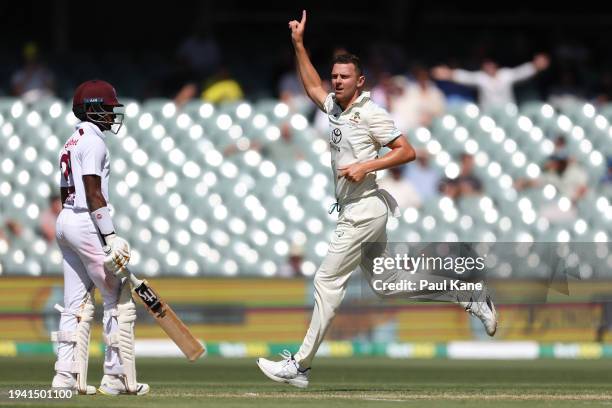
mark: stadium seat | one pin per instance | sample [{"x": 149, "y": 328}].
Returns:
[{"x": 208, "y": 201}]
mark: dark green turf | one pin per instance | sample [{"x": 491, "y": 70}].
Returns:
[{"x": 357, "y": 382}]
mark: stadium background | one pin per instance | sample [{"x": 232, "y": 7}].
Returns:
[{"x": 215, "y": 197}]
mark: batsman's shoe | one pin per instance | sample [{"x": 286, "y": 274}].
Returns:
[
  {"x": 285, "y": 371},
  {"x": 66, "y": 381},
  {"x": 115, "y": 385},
  {"x": 481, "y": 306}
]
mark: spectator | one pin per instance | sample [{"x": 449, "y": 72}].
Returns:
[
  {"x": 10, "y": 229},
  {"x": 560, "y": 146},
  {"x": 48, "y": 218},
  {"x": 198, "y": 58},
  {"x": 222, "y": 88},
  {"x": 604, "y": 88},
  {"x": 3, "y": 237},
  {"x": 449, "y": 188},
  {"x": 605, "y": 185},
  {"x": 568, "y": 92},
  {"x": 418, "y": 102},
  {"x": 15, "y": 228},
  {"x": 293, "y": 267},
  {"x": 290, "y": 88},
  {"x": 568, "y": 177},
  {"x": 494, "y": 83},
  {"x": 201, "y": 52},
  {"x": 291, "y": 92},
  {"x": 401, "y": 189},
  {"x": 606, "y": 180},
  {"x": 186, "y": 93},
  {"x": 384, "y": 90},
  {"x": 283, "y": 150},
  {"x": 218, "y": 89},
  {"x": 422, "y": 176},
  {"x": 34, "y": 80},
  {"x": 466, "y": 184}
]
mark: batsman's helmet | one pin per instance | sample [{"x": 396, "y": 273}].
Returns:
[{"x": 94, "y": 101}]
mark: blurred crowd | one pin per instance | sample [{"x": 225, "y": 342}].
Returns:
[{"x": 414, "y": 98}]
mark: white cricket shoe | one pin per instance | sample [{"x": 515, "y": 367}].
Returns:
[
  {"x": 66, "y": 381},
  {"x": 285, "y": 371},
  {"x": 483, "y": 308},
  {"x": 115, "y": 385}
]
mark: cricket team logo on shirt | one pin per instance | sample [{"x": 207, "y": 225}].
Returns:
[
  {"x": 336, "y": 136},
  {"x": 356, "y": 118}
]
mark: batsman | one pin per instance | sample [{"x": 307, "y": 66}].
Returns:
[
  {"x": 358, "y": 128},
  {"x": 93, "y": 255}
]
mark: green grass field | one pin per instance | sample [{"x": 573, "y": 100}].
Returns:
[{"x": 362, "y": 382}]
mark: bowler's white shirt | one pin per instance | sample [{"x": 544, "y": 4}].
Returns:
[{"x": 356, "y": 135}]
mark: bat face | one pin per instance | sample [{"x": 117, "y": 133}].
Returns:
[{"x": 169, "y": 321}]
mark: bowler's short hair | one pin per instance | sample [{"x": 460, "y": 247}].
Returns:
[{"x": 349, "y": 59}]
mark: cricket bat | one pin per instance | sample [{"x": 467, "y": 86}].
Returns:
[{"x": 167, "y": 319}]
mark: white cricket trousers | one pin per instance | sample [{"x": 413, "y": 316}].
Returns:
[
  {"x": 359, "y": 221},
  {"x": 83, "y": 266}
]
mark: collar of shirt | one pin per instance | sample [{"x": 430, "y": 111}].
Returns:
[
  {"x": 363, "y": 96},
  {"x": 88, "y": 126}
]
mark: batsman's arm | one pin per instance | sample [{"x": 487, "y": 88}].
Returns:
[
  {"x": 93, "y": 192},
  {"x": 308, "y": 74},
  {"x": 64, "y": 193},
  {"x": 98, "y": 207},
  {"x": 116, "y": 249}
]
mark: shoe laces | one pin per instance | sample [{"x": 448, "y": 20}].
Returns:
[
  {"x": 286, "y": 354},
  {"x": 287, "y": 358}
]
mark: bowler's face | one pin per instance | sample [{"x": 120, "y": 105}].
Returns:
[{"x": 345, "y": 81}]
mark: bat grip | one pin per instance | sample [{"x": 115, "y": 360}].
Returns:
[{"x": 133, "y": 279}]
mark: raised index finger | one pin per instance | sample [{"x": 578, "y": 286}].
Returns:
[{"x": 303, "y": 17}]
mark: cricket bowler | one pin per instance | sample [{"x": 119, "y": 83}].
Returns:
[
  {"x": 358, "y": 129},
  {"x": 93, "y": 255}
]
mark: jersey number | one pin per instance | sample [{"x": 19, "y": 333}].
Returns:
[{"x": 65, "y": 165}]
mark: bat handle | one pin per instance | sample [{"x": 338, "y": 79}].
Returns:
[{"x": 133, "y": 279}]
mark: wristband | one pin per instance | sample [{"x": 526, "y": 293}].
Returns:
[{"x": 102, "y": 218}]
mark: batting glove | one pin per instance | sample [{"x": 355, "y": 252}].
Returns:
[{"x": 117, "y": 254}]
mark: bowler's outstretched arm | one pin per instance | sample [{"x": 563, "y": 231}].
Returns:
[{"x": 308, "y": 74}]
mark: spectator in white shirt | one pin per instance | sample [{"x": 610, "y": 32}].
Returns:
[
  {"x": 418, "y": 103},
  {"x": 494, "y": 83},
  {"x": 401, "y": 189}
]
